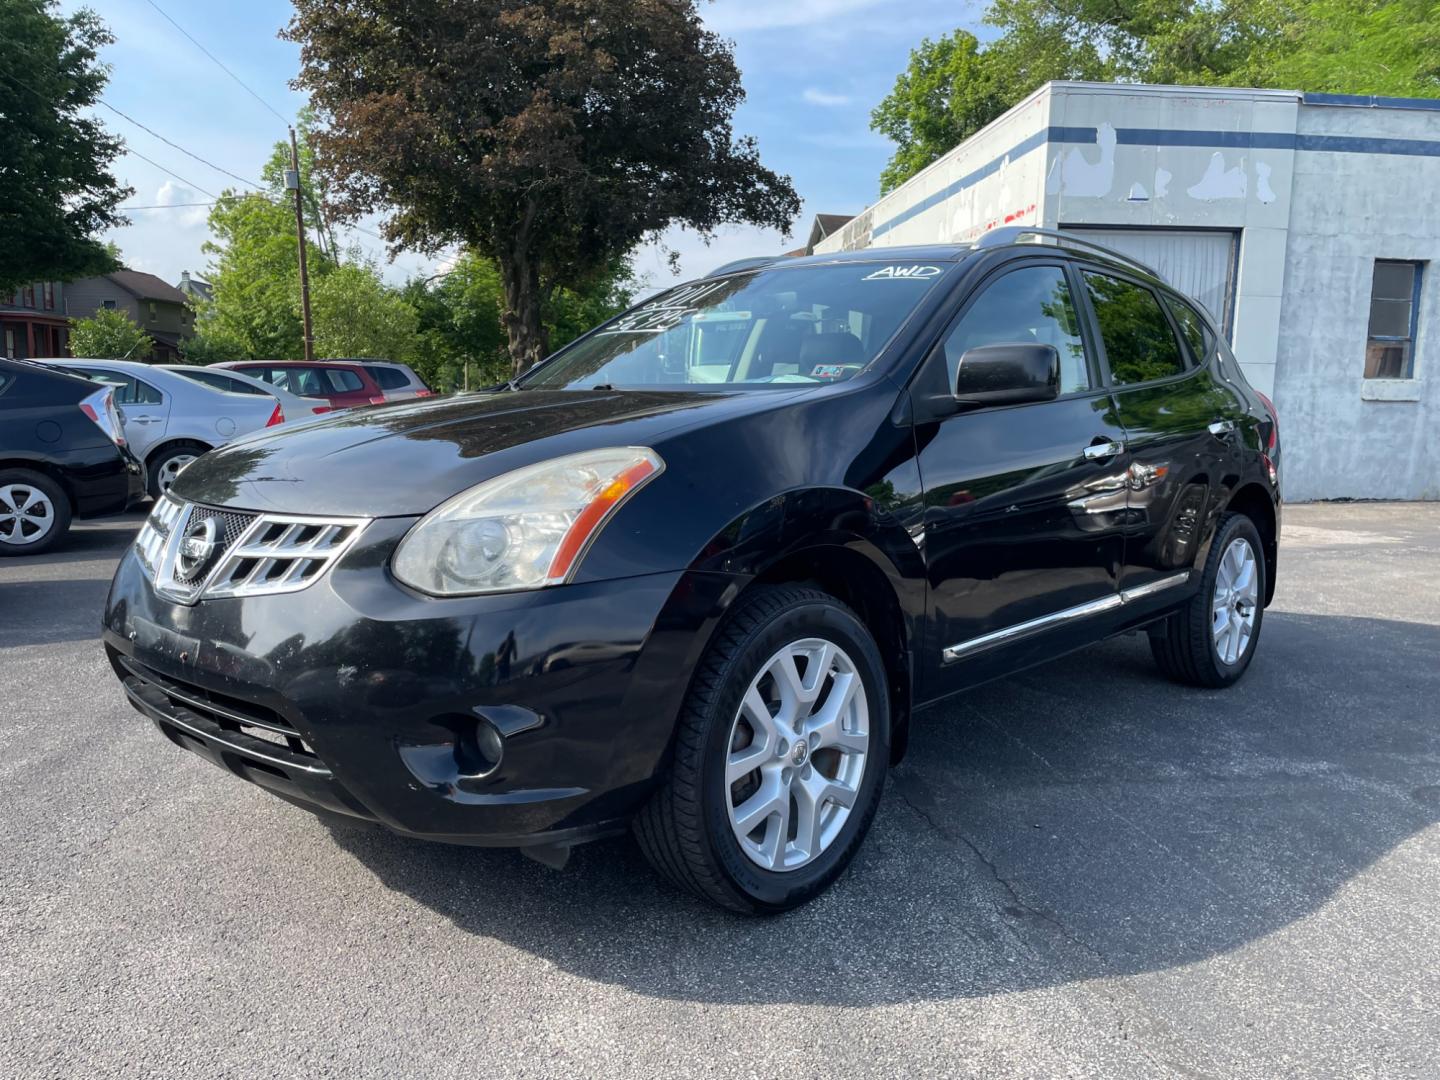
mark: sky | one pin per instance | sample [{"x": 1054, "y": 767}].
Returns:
[{"x": 812, "y": 71}]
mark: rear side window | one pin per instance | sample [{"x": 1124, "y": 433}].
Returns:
[
  {"x": 388, "y": 378},
  {"x": 343, "y": 380},
  {"x": 1030, "y": 306},
  {"x": 128, "y": 389},
  {"x": 1192, "y": 329},
  {"x": 221, "y": 382},
  {"x": 1139, "y": 343}
]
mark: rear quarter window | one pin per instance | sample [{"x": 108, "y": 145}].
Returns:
[
  {"x": 344, "y": 380},
  {"x": 388, "y": 378},
  {"x": 1192, "y": 328}
]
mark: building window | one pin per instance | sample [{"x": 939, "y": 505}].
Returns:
[
  {"x": 29, "y": 297},
  {"x": 108, "y": 305},
  {"x": 153, "y": 315},
  {"x": 49, "y": 293},
  {"x": 1394, "y": 309}
]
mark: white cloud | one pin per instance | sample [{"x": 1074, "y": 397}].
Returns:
[{"x": 815, "y": 96}]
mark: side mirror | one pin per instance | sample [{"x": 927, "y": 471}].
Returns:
[{"x": 1007, "y": 375}]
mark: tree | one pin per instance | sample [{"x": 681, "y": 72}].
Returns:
[
  {"x": 355, "y": 314},
  {"x": 548, "y": 138},
  {"x": 56, "y": 190},
  {"x": 954, "y": 86},
  {"x": 109, "y": 335}
]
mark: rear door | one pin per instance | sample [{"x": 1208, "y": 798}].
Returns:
[
  {"x": 1024, "y": 504},
  {"x": 1180, "y": 430}
]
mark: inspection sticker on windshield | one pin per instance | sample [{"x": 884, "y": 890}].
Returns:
[{"x": 904, "y": 273}]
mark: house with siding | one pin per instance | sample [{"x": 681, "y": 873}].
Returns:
[
  {"x": 158, "y": 308},
  {"x": 33, "y": 321}
]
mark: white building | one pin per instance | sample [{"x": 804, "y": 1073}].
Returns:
[{"x": 1309, "y": 224}]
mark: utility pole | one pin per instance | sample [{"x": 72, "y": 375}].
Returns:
[{"x": 292, "y": 181}]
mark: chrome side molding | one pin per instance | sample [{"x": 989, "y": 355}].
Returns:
[{"x": 1062, "y": 617}]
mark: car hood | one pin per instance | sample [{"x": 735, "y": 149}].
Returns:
[{"x": 396, "y": 460}]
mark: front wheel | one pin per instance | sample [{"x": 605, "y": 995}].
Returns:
[
  {"x": 1211, "y": 639},
  {"x": 780, "y": 755}
]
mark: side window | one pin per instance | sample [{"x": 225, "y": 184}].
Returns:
[
  {"x": 1394, "y": 295},
  {"x": 1030, "y": 305},
  {"x": 344, "y": 380},
  {"x": 145, "y": 394},
  {"x": 390, "y": 379},
  {"x": 1139, "y": 343},
  {"x": 1192, "y": 329}
]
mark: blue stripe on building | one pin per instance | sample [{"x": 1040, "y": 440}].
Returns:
[{"x": 1219, "y": 140}]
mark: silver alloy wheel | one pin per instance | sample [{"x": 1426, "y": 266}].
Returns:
[
  {"x": 170, "y": 469},
  {"x": 797, "y": 753},
  {"x": 1237, "y": 594},
  {"x": 26, "y": 514}
]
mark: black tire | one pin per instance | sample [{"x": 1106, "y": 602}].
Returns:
[
  {"x": 60, "y": 512},
  {"x": 169, "y": 453},
  {"x": 685, "y": 830},
  {"x": 1184, "y": 645}
]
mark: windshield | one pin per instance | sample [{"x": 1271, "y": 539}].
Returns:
[{"x": 777, "y": 327}]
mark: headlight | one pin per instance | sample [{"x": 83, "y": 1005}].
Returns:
[{"x": 524, "y": 530}]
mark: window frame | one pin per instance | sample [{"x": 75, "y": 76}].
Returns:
[
  {"x": 934, "y": 369},
  {"x": 1416, "y": 284},
  {"x": 1192, "y": 365}
]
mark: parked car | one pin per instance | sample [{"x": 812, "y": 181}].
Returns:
[
  {"x": 170, "y": 421},
  {"x": 62, "y": 456},
  {"x": 237, "y": 382},
  {"x": 398, "y": 381},
  {"x": 343, "y": 385},
  {"x": 699, "y": 572}
]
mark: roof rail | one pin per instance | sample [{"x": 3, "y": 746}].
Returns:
[
  {"x": 1017, "y": 234},
  {"x": 753, "y": 262}
]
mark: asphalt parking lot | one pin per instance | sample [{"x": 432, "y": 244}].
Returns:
[{"x": 1081, "y": 871}]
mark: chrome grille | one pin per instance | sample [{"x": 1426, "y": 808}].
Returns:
[{"x": 194, "y": 552}]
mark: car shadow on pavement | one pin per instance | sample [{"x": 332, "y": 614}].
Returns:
[{"x": 1081, "y": 820}]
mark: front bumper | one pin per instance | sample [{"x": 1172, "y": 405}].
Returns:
[{"x": 353, "y": 695}]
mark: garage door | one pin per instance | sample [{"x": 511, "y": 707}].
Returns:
[{"x": 1198, "y": 262}]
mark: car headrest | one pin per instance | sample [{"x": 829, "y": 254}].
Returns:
[{"x": 840, "y": 347}]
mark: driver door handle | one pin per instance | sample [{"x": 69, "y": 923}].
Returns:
[{"x": 1100, "y": 451}]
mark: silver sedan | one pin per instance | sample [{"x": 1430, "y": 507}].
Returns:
[
  {"x": 170, "y": 420},
  {"x": 294, "y": 406}
]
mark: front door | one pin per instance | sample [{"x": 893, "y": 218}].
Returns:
[
  {"x": 1179, "y": 426},
  {"x": 1024, "y": 504}
]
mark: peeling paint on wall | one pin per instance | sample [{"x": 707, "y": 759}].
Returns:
[
  {"x": 1162, "y": 182},
  {"x": 1263, "y": 191},
  {"x": 1076, "y": 175},
  {"x": 1220, "y": 182},
  {"x": 1138, "y": 193}
]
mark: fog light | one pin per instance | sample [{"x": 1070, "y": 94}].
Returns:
[{"x": 479, "y": 748}]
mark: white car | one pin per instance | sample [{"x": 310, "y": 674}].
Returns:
[
  {"x": 170, "y": 420},
  {"x": 237, "y": 382}
]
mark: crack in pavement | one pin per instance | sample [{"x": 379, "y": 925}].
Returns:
[{"x": 1108, "y": 984}]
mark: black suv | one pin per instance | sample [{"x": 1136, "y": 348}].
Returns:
[
  {"x": 62, "y": 455},
  {"x": 699, "y": 572}
]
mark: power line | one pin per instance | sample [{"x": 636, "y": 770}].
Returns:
[
  {"x": 177, "y": 146},
  {"x": 217, "y": 62},
  {"x": 177, "y": 176},
  {"x": 166, "y": 206}
]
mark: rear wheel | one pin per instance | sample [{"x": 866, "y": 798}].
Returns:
[
  {"x": 166, "y": 465},
  {"x": 780, "y": 756},
  {"x": 34, "y": 512},
  {"x": 1212, "y": 638}
]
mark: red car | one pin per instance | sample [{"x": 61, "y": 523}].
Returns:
[{"x": 344, "y": 385}]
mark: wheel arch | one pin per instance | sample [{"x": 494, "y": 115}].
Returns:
[
  {"x": 1256, "y": 503},
  {"x": 836, "y": 540},
  {"x": 159, "y": 448},
  {"x": 45, "y": 469}
]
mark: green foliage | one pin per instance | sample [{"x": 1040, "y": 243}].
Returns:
[
  {"x": 955, "y": 86},
  {"x": 109, "y": 335},
  {"x": 354, "y": 314},
  {"x": 547, "y": 138},
  {"x": 56, "y": 189},
  {"x": 462, "y": 340}
]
